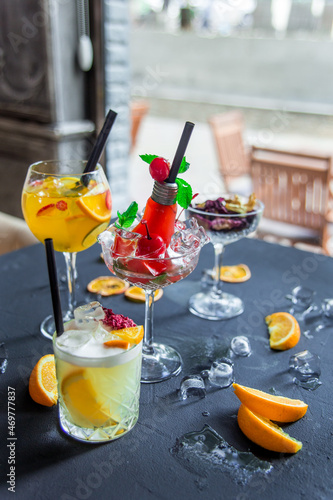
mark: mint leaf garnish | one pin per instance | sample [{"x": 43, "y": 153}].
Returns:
[
  {"x": 184, "y": 195},
  {"x": 183, "y": 166},
  {"x": 148, "y": 158},
  {"x": 126, "y": 219}
]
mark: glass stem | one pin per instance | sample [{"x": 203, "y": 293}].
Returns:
[
  {"x": 70, "y": 259},
  {"x": 149, "y": 316},
  {"x": 218, "y": 251}
]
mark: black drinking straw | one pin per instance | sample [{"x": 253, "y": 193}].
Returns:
[
  {"x": 188, "y": 128},
  {"x": 100, "y": 143},
  {"x": 51, "y": 266}
]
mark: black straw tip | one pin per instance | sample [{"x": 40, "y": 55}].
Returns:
[
  {"x": 101, "y": 141},
  {"x": 184, "y": 140}
]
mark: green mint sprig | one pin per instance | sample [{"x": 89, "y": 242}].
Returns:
[
  {"x": 185, "y": 193},
  {"x": 127, "y": 218}
]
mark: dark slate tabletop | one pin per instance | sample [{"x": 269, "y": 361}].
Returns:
[{"x": 141, "y": 465}]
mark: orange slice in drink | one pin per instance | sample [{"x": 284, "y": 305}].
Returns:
[
  {"x": 132, "y": 334},
  {"x": 123, "y": 344},
  {"x": 107, "y": 285},
  {"x": 235, "y": 274},
  {"x": 265, "y": 433},
  {"x": 137, "y": 294},
  {"x": 284, "y": 331},
  {"x": 269, "y": 406},
  {"x": 95, "y": 206},
  {"x": 82, "y": 401},
  {"x": 43, "y": 382}
]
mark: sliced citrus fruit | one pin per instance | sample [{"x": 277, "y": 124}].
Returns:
[
  {"x": 132, "y": 334},
  {"x": 43, "y": 382},
  {"x": 91, "y": 237},
  {"x": 95, "y": 206},
  {"x": 269, "y": 406},
  {"x": 137, "y": 294},
  {"x": 107, "y": 285},
  {"x": 235, "y": 274},
  {"x": 123, "y": 344},
  {"x": 284, "y": 331},
  {"x": 265, "y": 433},
  {"x": 82, "y": 401}
]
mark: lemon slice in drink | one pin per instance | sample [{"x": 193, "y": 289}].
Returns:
[{"x": 91, "y": 237}]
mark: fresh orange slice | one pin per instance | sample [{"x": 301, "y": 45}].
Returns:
[
  {"x": 43, "y": 382},
  {"x": 84, "y": 400},
  {"x": 123, "y": 344},
  {"x": 107, "y": 285},
  {"x": 235, "y": 274},
  {"x": 137, "y": 294},
  {"x": 132, "y": 334},
  {"x": 269, "y": 406},
  {"x": 95, "y": 206},
  {"x": 284, "y": 331},
  {"x": 265, "y": 433}
]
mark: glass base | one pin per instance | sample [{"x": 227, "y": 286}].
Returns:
[
  {"x": 216, "y": 307},
  {"x": 159, "y": 362},
  {"x": 97, "y": 434}
]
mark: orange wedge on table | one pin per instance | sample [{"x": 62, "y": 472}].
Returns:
[
  {"x": 107, "y": 285},
  {"x": 43, "y": 382},
  {"x": 137, "y": 294},
  {"x": 284, "y": 331},
  {"x": 269, "y": 406},
  {"x": 265, "y": 433},
  {"x": 235, "y": 274}
]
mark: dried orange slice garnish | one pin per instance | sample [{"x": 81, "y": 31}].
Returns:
[
  {"x": 269, "y": 406},
  {"x": 107, "y": 285},
  {"x": 132, "y": 334},
  {"x": 235, "y": 274},
  {"x": 137, "y": 294},
  {"x": 43, "y": 382},
  {"x": 284, "y": 331},
  {"x": 265, "y": 433}
]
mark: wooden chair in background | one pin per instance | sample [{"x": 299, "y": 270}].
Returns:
[
  {"x": 233, "y": 156},
  {"x": 298, "y": 195},
  {"x": 138, "y": 111}
]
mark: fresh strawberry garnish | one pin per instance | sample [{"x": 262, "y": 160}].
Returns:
[
  {"x": 61, "y": 205},
  {"x": 45, "y": 210}
]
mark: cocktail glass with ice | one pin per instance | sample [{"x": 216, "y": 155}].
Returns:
[{"x": 98, "y": 377}]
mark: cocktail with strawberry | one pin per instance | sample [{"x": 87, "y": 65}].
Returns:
[
  {"x": 156, "y": 250},
  {"x": 61, "y": 202}
]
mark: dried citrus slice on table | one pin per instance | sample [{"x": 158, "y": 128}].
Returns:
[
  {"x": 284, "y": 331},
  {"x": 137, "y": 294},
  {"x": 43, "y": 382},
  {"x": 131, "y": 334},
  {"x": 265, "y": 433},
  {"x": 235, "y": 274},
  {"x": 107, "y": 285},
  {"x": 269, "y": 406}
]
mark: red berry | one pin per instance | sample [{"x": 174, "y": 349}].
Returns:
[
  {"x": 159, "y": 169},
  {"x": 61, "y": 205}
]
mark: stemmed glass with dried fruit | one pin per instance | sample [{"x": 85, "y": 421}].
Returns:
[{"x": 226, "y": 218}]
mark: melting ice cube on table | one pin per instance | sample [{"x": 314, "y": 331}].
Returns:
[
  {"x": 221, "y": 373},
  {"x": 305, "y": 368},
  {"x": 192, "y": 386},
  {"x": 240, "y": 346}
]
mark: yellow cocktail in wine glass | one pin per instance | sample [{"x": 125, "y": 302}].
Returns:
[{"x": 61, "y": 202}]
